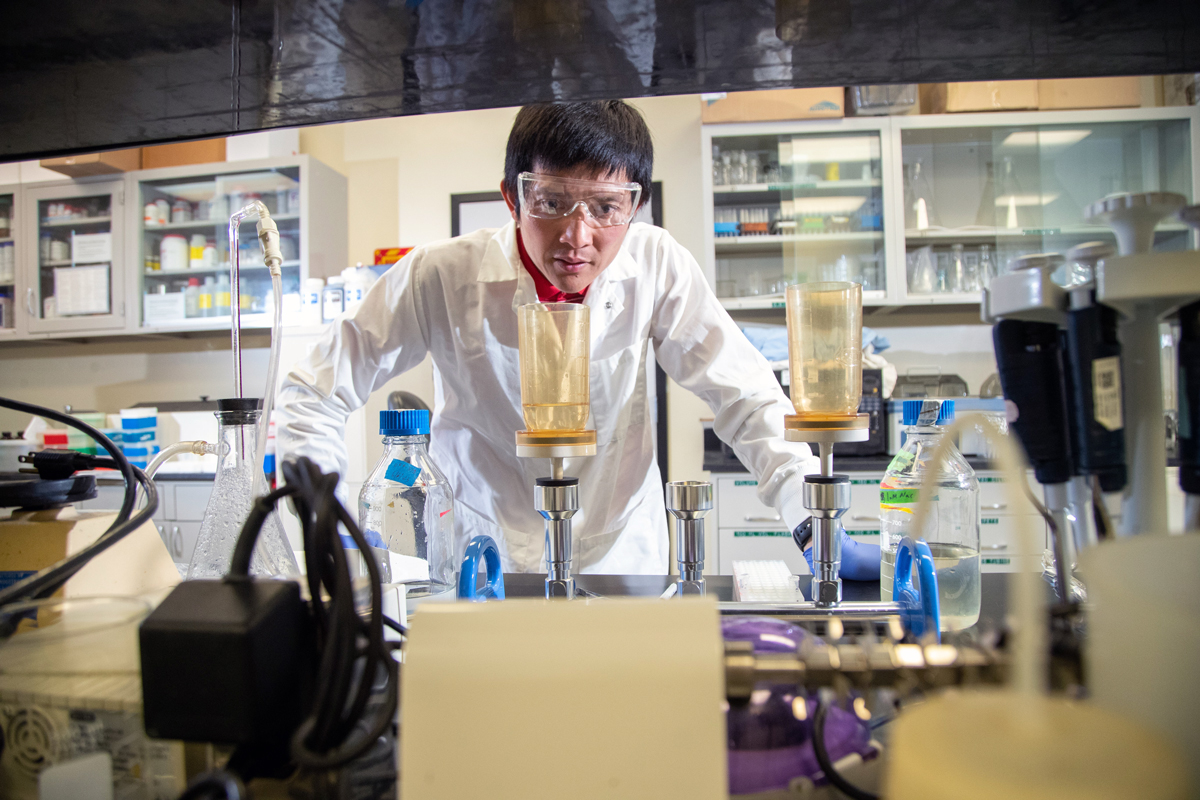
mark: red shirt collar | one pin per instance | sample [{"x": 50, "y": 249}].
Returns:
[{"x": 547, "y": 292}]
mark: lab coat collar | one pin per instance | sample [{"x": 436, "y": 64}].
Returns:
[{"x": 502, "y": 262}]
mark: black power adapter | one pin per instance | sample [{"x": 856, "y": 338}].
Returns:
[{"x": 228, "y": 661}]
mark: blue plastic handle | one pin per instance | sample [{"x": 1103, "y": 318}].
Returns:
[
  {"x": 919, "y": 609},
  {"x": 484, "y": 546}
]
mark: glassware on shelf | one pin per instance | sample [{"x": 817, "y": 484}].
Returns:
[
  {"x": 737, "y": 170},
  {"x": 971, "y": 269},
  {"x": 957, "y": 279},
  {"x": 922, "y": 272},
  {"x": 753, "y": 172},
  {"x": 943, "y": 272},
  {"x": 985, "y": 214},
  {"x": 1009, "y": 192},
  {"x": 918, "y": 198},
  {"x": 987, "y": 265}
]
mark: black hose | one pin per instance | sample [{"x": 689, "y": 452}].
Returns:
[
  {"x": 831, "y": 774},
  {"x": 117, "y": 455}
]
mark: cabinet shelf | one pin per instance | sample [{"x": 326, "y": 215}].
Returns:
[
  {"x": 210, "y": 223},
  {"x": 62, "y": 223},
  {"x": 791, "y": 187},
  {"x": 749, "y": 242},
  {"x": 69, "y": 263},
  {"x": 941, "y": 234},
  {"x": 776, "y": 301},
  {"x": 168, "y": 273}
]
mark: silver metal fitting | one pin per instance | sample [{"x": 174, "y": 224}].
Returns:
[
  {"x": 557, "y": 501},
  {"x": 688, "y": 502},
  {"x": 826, "y": 497}
]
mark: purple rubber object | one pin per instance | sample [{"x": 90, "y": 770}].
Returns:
[{"x": 768, "y": 745}]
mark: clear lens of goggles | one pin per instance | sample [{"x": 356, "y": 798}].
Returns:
[{"x": 606, "y": 204}]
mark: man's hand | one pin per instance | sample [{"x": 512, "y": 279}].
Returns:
[{"x": 860, "y": 562}]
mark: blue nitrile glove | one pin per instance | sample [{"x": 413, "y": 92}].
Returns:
[{"x": 860, "y": 562}]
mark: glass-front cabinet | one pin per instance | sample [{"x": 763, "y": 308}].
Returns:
[
  {"x": 184, "y": 248},
  {"x": 926, "y": 209},
  {"x": 793, "y": 207},
  {"x": 9, "y": 302},
  {"x": 74, "y": 278},
  {"x": 975, "y": 198}
]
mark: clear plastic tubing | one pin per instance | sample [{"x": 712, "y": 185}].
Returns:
[
  {"x": 268, "y": 235},
  {"x": 554, "y": 351},
  {"x": 824, "y": 322}
]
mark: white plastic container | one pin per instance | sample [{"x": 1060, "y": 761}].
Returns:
[
  {"x": 355, "y": 289},
  {"x": 174, "y": 253},
  {"x": 196, "y": 251}
]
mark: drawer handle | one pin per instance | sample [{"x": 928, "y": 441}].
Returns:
[
  {"x": 994, "y": 506},
  {"x": 994, "y": 547},
  {"x": 776, "y": 518},
  {"x": 861, "y": 518},
  {"x": 177, "y": 541}
]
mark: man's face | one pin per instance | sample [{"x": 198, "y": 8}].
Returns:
[{"x": 569, "y": 251}]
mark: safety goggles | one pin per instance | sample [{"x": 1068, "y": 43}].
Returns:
[{"x": 605, "y": 204}]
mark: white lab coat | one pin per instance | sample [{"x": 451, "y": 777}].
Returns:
[{"x": 457, "y": 300}]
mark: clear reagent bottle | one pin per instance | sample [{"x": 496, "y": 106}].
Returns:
[
  {"x": 406, "y": 510},
  {"x": 952, "y": 529}
]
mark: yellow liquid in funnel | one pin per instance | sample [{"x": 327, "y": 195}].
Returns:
[{"x": 555, "y": 416}]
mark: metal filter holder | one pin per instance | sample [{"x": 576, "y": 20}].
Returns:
[{"x": 689, "y": 502}]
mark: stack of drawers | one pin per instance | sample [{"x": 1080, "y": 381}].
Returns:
[{"x": 749, "y": 530}]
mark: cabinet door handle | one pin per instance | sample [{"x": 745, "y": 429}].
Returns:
[
  {"x": 752, "y": 518},
  {"x": 863, "y": 518},
  {"x": 177, "y": 541},
  {"x": 994, "y": 506},
  {"x": 29, "y": 302},
  {"x": 994, "y": 547}
]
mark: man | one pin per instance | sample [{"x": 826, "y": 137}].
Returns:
[{"x": 574, "y": 175}]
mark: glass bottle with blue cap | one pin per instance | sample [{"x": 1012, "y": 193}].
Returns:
[
  {"x": 953, "y": 527},
  {"x": 406, "y": 511}
]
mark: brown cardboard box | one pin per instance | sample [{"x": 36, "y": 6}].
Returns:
[
  {"x": 773, "y": 104},
  {"x": 943, "y": 98},
  {"x": 110, "y": 162},
  {"x": 1090, "y": 93},
  {"x": 203, "y": 151}
]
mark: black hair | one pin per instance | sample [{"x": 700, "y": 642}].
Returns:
[{"x": 608, "y": 136}]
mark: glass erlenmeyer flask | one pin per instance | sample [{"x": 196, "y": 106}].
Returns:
[
  {"x": 229, "y": 505},
  {"x": 1009, "y": 197},
  {"x": 919, "y": 213}
]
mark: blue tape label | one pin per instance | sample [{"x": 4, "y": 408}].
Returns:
[
  {"x": 8, "y": 578},
  {"x": 402, "y": 472}
]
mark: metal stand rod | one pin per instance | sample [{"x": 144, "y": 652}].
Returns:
[
  {"x": 1079, "y": 490},
  {"x": 556, "y": 468},
  {"x": 825, "y": 450},
  {"x": 688, "y": 502},
  {"x": 557, "y": 500},
  {"x": 1064, "y": 551}
]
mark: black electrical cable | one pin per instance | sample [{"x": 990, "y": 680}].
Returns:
[
  {"x": 1104, "y": 525},
  {"x": 396, "y": 626},
  {"x": 123, "y": 464},
  {"x": 46, "y": 582},
  {"x": 352, "y": 650},
  {"x": 831, "y": 774}
]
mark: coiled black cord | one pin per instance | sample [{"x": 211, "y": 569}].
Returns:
[
  {"x": 352, "y": 651},
  {"x": 47, "y": 581}
]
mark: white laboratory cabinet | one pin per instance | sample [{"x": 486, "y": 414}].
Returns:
[
  {"x": 181, "y": 505},
  {"x": 924, "y": 209},
  {"x": 749, "y": 530},
  {"x": 88, "y": 253}
]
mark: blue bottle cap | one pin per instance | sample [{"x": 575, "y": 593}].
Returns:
[
  {"x": 922, "y": 412},
  {"x": 406, "y": 422}
]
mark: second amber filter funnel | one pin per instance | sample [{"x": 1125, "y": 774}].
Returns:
[
  {"x": 555, "y": 350},
  {"x": 824, "y": 323}
]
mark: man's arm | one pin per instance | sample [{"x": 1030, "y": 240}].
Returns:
[
  {"x": 385, "y": 337},
  {"x": 703, "y": 350}
]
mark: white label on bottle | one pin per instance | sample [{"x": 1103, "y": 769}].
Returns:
[{"x": 1106, "y": 392}]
